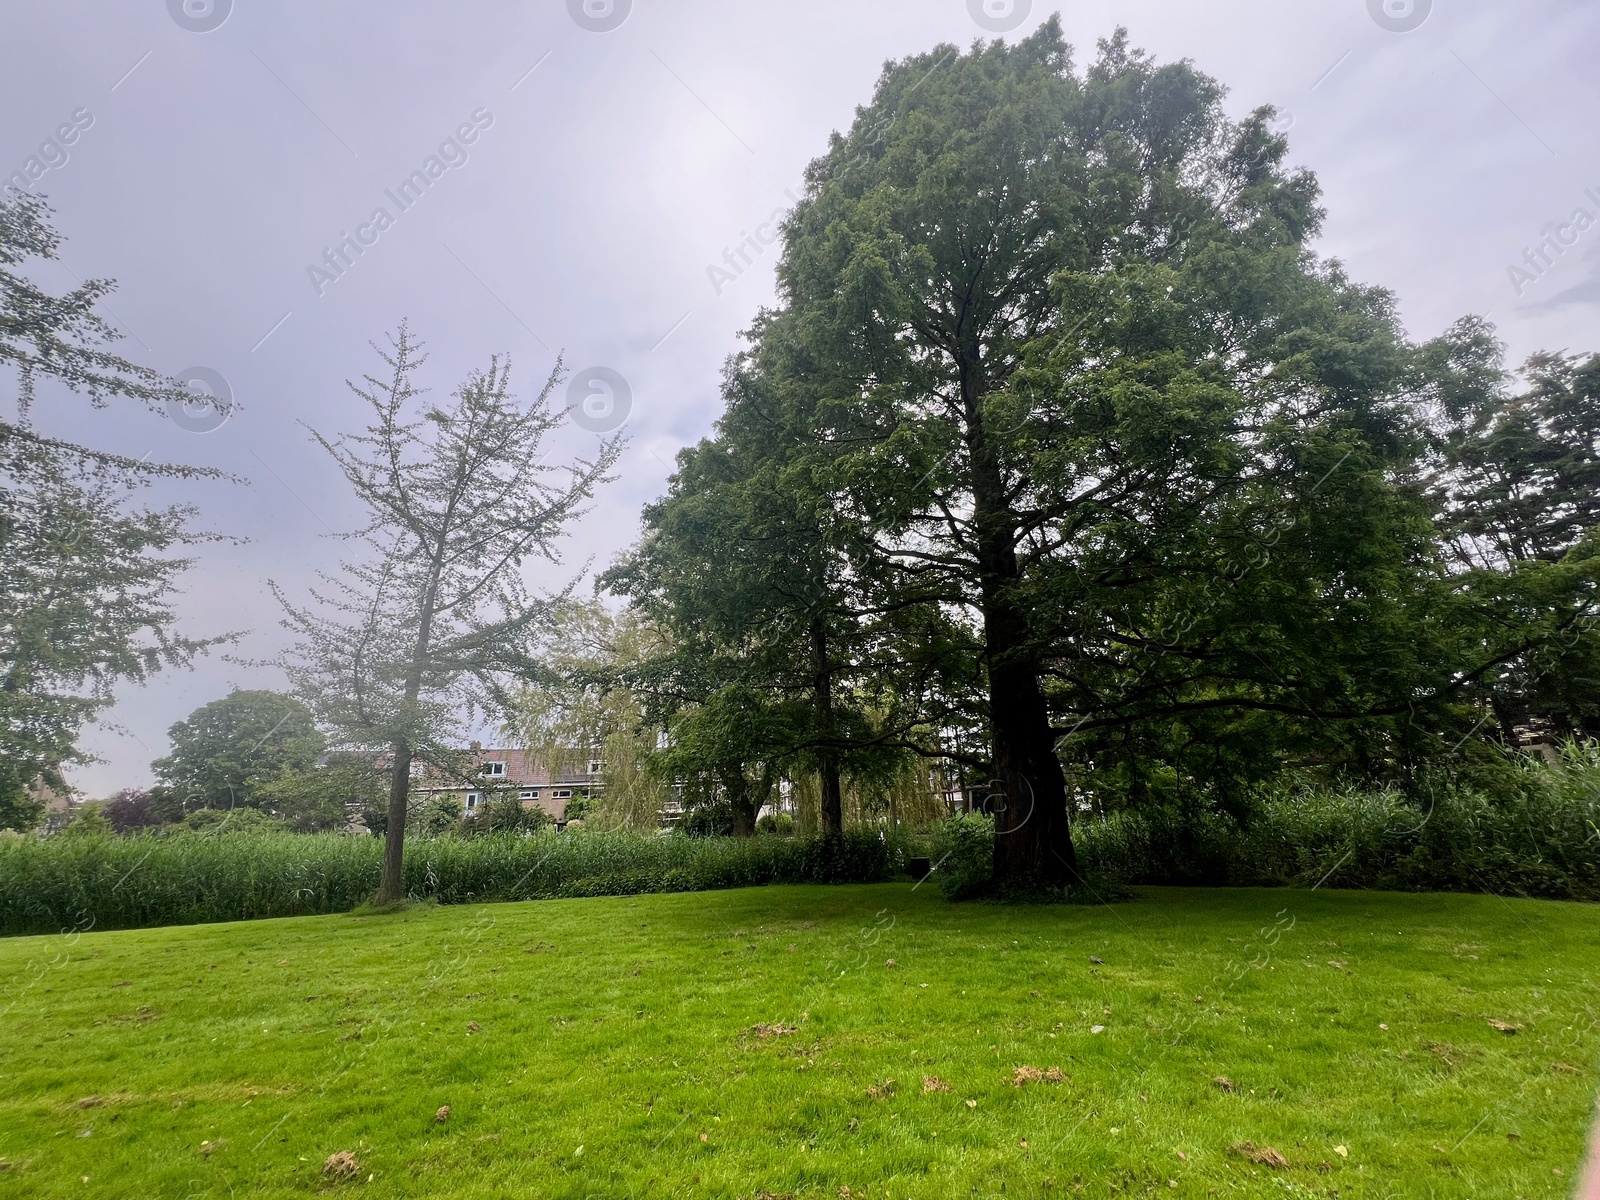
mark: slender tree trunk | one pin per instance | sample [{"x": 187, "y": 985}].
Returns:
[
  {"x": 392, "y": 887},
  {"x": 827, "y": 757},
  {"x": 1033, "y": 836}
]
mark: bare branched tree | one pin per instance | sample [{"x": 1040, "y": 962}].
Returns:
[{"x": 435, "y": 628}]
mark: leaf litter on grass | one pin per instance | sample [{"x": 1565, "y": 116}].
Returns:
[
  {"x": 1266, "y": 1156},
  {"x": 765, "y": 1032},
  {"x": 342, "y": 1164},
  {"x": 1026, "y": 1075}
]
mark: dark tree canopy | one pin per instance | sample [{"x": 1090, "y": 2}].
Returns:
[{"x": 1064, "y": 458}]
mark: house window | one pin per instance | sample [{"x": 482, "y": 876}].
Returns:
[
  {"x": 530, "y": 795},
  {"x": 472, "y": 799},
  {"x": 562, "y": 793},
  {"x": 594, "y": 766},
  {"x": 493, "y": 768}
]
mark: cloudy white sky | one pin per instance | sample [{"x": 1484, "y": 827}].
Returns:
[{"x": 213, "y": 167}]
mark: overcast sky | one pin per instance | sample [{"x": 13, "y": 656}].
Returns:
[{"x": 220, "y": 149}]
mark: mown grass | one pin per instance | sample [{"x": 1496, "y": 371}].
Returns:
[{"x": 738, "y": 1042}]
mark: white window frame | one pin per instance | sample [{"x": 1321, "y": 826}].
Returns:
[
  {"x": 472, "y": 799},
  {"x": 495, "y": 768},
  {"x": 529, "y": 794}
]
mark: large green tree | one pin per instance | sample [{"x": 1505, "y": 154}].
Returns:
[
  {"x": 1077, "y": 372},
  {"x": 225, "y": 751},
  {"x": 776, "y": 663},
  {"x": 87, "y": 577},
  {"x": 1516, "y": 479}
]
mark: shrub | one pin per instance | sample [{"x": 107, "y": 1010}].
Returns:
[
  {"x": 504, "y": 814},
  {"x": 778, "y": 823},
  {"x": 319, "y": 800},
  {"x": 436, "y": 816},
  {"x": 708, "y": 820},
  {"x": 230, "y": 821},
  {"x": 87, "y": 821},
  {"x": 963, "y": 855},
  {"x": 1518, "y": 827}
]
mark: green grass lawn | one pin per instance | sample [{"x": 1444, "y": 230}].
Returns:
[{"x": 805, "y": 1040}]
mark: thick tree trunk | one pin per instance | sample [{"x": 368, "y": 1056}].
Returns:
[
  {"x": 739, "y": 800},
  {"x": 392, "y": 888},
  {"x": 827, "y": 757},
  {"x": 1028, "y": 795}
]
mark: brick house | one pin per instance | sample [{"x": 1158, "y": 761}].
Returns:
[{"x": 518, "y": 773}]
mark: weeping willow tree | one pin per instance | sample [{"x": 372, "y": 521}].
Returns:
[
  {"x": 584, "y": 708},
  {"x": 906, "y": 795}
]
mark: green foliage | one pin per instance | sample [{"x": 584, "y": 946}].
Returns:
[
  {"x": 213, "y": 821},
  {"x": 1516, "y": 476},
  {"x": 321, "y": 800},
  {"x": 20, "y": 810},
  {"x": 711, "y": 818},
  {"x": 587, "y": 704},
  {"x": 963, "y": 855},
  {"x": 1517, "y": 828},
  {"x": 50, "y": 884},
  {"x": 781, "y": 824},
  {"x": 224, "y": 752},
  {"x": 503, "y": 813},
  {"x": 437, "y": 815},
  {"x": 87, "y": 578},
  {"x": 87, "y": 822}
]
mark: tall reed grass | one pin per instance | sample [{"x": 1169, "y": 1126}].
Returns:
[
  {"x": 1521, "y": 828},
  {"x": 103, "y": 882}
]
